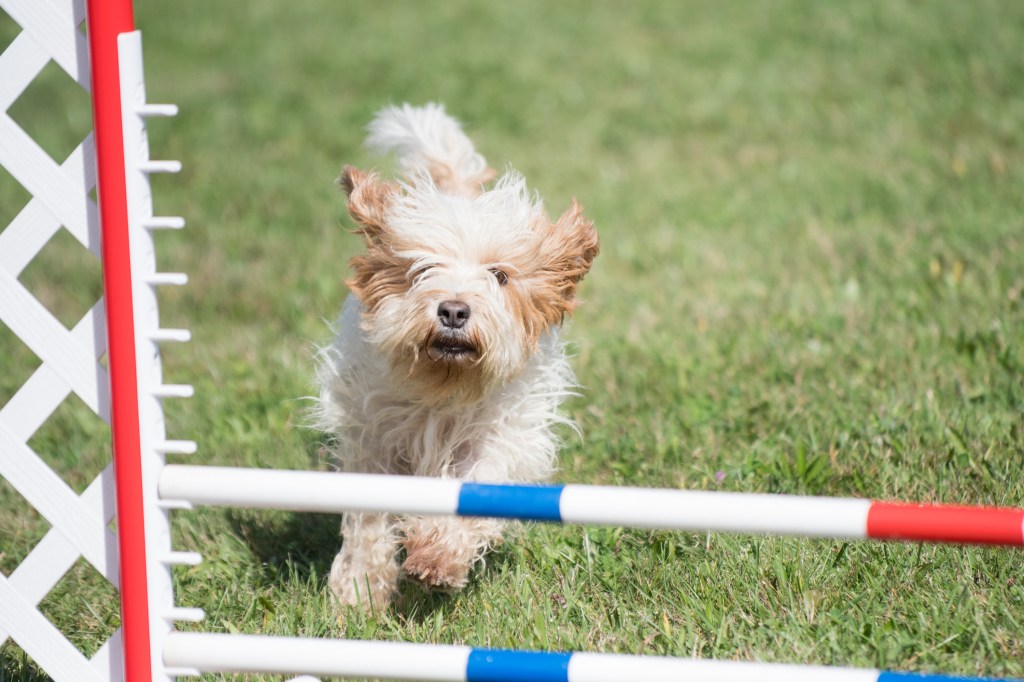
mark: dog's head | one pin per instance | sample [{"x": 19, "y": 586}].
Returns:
[{"x": 457, "y": 291}]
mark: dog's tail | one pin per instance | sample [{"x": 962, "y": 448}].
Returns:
[{"x": 428, "y": 139}]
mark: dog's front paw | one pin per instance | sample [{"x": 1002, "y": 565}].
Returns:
[
  {"x": 435, "y": 566},
  {"x": 370, "y": 589}
]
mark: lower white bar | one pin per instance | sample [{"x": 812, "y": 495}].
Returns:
[
  {"x": 313, "y": 491},
  {"x": 294, "y": 655},
  {"x": 716, "y": 511},
  {"x": 222, "y": 653},
  {"x": 616, "y": 668}
]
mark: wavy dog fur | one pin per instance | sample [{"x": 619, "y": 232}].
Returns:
[{"x": 446, "y": 360}]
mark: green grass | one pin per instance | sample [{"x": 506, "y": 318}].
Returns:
[{"x": 812, "y": 282}]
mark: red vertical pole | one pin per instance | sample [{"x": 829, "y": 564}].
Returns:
[{"x": 108, "y": 19}]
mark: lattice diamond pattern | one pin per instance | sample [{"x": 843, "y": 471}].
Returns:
[
  {"x": 21, "y": 528},
  {"x": 61, "y": 197},
  {"x": 74, "y": 442},
  {"x": 12, "y": 197},
  {"x": 18, "y": 363},
  {"x": 64, "y": 277},
  {"x": 54, "y": 111},
  {"x": 86, "y": 598},
  {"x": 8, "y": 30}
]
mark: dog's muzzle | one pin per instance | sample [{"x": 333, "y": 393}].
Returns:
[{"x": 452, "y": 345}]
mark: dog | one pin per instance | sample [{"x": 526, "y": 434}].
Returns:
[{"x": 446, "y": 360}]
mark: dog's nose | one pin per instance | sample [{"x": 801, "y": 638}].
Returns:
[{"x": 453, "y": 314}]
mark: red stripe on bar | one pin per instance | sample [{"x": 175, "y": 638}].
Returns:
[
  {"x": 942, "y": 523},
  {"x": 107, "y": 19}
]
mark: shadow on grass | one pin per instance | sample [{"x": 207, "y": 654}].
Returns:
[
  {"x": 307, "y": 541},
  {"x": 416, "y": 605}
]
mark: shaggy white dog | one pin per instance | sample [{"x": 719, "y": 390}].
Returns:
[{"x": 447, "y": 360}]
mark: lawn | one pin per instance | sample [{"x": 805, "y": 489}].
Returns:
[{"x": 811, "y": 282}]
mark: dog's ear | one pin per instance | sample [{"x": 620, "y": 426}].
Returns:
[
  {"x": 377, "y": 272},
  {"x": 368, "y": 200},
  {"x": 568, "y": 250}
]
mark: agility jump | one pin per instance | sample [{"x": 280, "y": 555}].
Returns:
[{"x": 148, "y": 648}]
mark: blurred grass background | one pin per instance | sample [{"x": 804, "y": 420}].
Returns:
[{"x": 812, "y": 221}]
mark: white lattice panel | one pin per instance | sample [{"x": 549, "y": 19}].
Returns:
[{"x": 70, "y": 358}]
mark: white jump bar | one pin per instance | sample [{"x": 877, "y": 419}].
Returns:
[
  {"x": 307, "y": 491},
  {"x": 224, "y": 653},
  {"x": 805, "y": 516},
  {"x": 331, "y": 492}
]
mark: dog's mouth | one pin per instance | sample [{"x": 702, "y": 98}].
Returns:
[{"x": 451, "y": 348}]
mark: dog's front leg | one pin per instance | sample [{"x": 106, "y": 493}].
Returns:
[
  {"x": 440, "y": 551},
  {"x": 365, "y": 572}
]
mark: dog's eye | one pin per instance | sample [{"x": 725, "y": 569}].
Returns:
[
  {"x": 499, "y": 275},
  {"x": 416, "y": 273}
]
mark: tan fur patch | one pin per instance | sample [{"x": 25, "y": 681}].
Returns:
[
  {"x": 544, "y": 289},
  {"x": 369, "y": 198},
  {"x": 378, "y": 273},
  {"x": 449, "y": 180},
  {"x": 434, "y": 565}
]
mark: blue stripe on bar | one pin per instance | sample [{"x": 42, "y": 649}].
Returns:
[
  {"x": 888, "y": 676},
  {"x": 535, "y": 502},
  {"x": 497, "y": 665}
]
